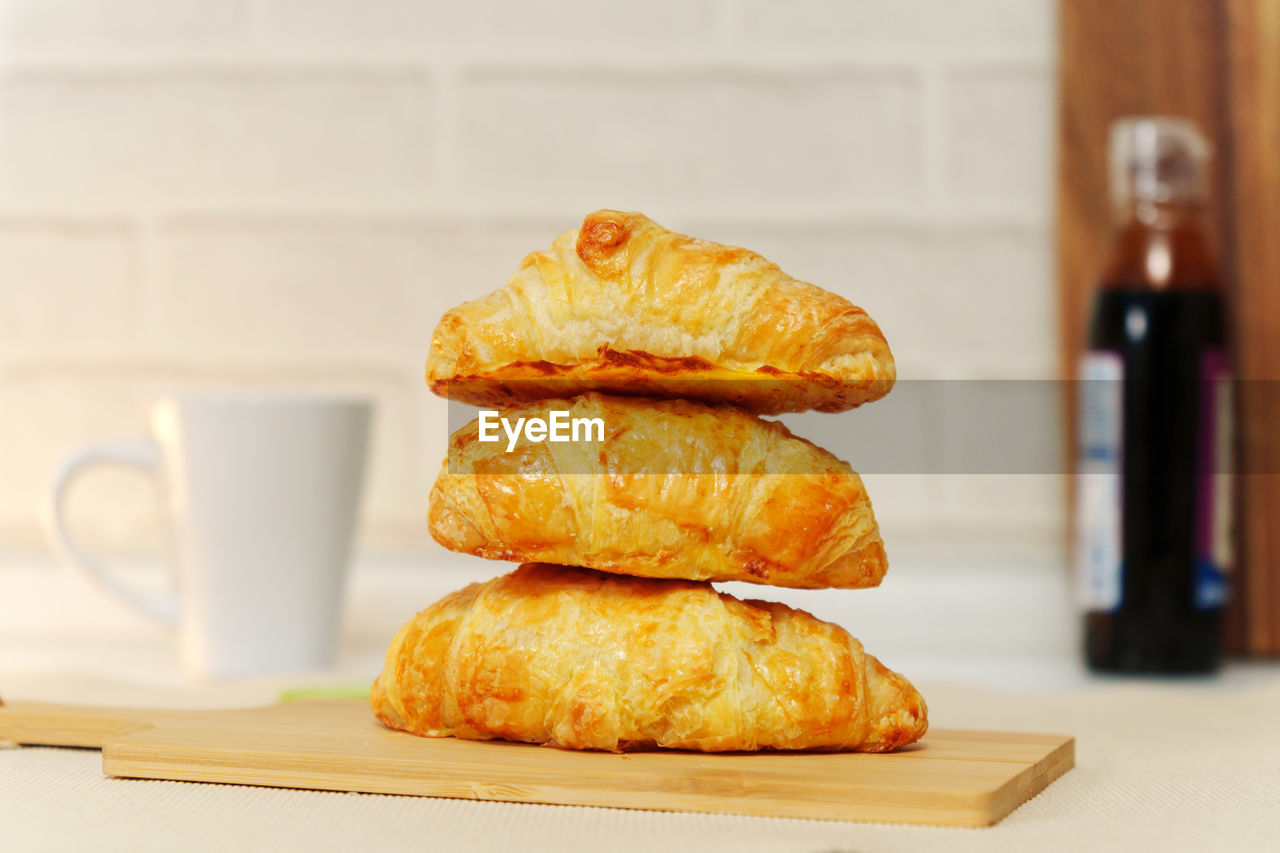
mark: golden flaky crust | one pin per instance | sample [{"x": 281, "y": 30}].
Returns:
[
  {"x": 676, "y": 490},
  {"x": 652, "y": 663},
  {"x": 625, "y": 306}
]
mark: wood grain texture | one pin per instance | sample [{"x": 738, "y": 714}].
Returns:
[
  {"x": 952, "y": 778},
  {"x": 1217, "y": 63},
  {"x": 1138, "y": 57},
  {"x": 1253, "y": 54}
]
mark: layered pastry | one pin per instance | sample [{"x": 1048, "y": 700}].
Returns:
[
  {"x": 586, "y": 660},
  {"x": 611, "y": 636},
  {"x": 676, "y": 490},
  {"x": 625, "y": 306}
]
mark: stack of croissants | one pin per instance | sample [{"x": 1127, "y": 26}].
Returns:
[{"x": 610, "y": 636}]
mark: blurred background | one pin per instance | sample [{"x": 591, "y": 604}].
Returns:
[{"x": 287, "y": 194}]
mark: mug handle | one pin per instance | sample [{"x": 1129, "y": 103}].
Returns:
[{"x": 140, "y": 453}]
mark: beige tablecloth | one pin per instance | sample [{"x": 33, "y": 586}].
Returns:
[{"x": 1160, "y": 766}]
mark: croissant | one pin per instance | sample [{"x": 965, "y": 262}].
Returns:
[
  {"x": 678, "y": 490},
  {"x": 625, "y": 306},
  {"x": 655, "y": 663}
]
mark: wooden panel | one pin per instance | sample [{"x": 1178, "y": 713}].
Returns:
[
  {"x": 1217, "y": 63},
  {"x": 1117, "y": 59},
  {"x": 1254, "y": 95},
  {"x": 954, "y": 778}
]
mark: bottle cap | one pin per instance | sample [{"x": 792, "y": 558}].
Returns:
[{"x": 1157, "y": 159}]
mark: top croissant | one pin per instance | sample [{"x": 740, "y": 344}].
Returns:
[{"x": 625, "y": 306}]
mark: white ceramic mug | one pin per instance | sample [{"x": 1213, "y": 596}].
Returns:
[{"x": 262, "y": 491}]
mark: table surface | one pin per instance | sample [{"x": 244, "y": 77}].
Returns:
[{"x": 1161, "y": 764}]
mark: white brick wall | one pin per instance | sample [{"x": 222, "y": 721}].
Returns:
[
  {"x": 487, "y": 24},
  {"x": 971, "y": 25},
  {"x": 676, "y": 136},
  {"x": 288, "y": 193},
  {"x": 119, "y": 139},
  {"x": 67, "y": 287},
  {"x": 998, "y": 131},
  {"x": 146, "y": 25}
]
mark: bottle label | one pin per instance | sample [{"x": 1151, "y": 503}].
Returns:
[
  {"x": 1215, "y": 518},
  {"x": 1099, "y": 488}
]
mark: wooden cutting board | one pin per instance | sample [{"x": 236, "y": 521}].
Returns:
[{"x": 955, "y": 778}]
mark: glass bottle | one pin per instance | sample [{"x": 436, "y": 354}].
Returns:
[{"x": 1154, "y": 511}]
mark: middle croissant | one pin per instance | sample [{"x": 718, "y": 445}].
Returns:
[{"x": 676, "y": 490}]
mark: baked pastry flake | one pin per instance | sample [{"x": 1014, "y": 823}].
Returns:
[
  {"x": 676, "y": 490},
  {"x": 625, "y": 306},
  {"x": 650, "y": 663}
]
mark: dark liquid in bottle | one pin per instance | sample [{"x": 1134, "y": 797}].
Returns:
[{"x": 1163, "y": 338}]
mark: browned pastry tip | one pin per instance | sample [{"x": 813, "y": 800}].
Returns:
[
  {"x": 625, "y": 306},
  {"x": 586, "y": 660},
  {"x": 677, "y": 490}
]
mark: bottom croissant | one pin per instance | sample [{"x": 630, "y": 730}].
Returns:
[{"x": 586, "y": 660}]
